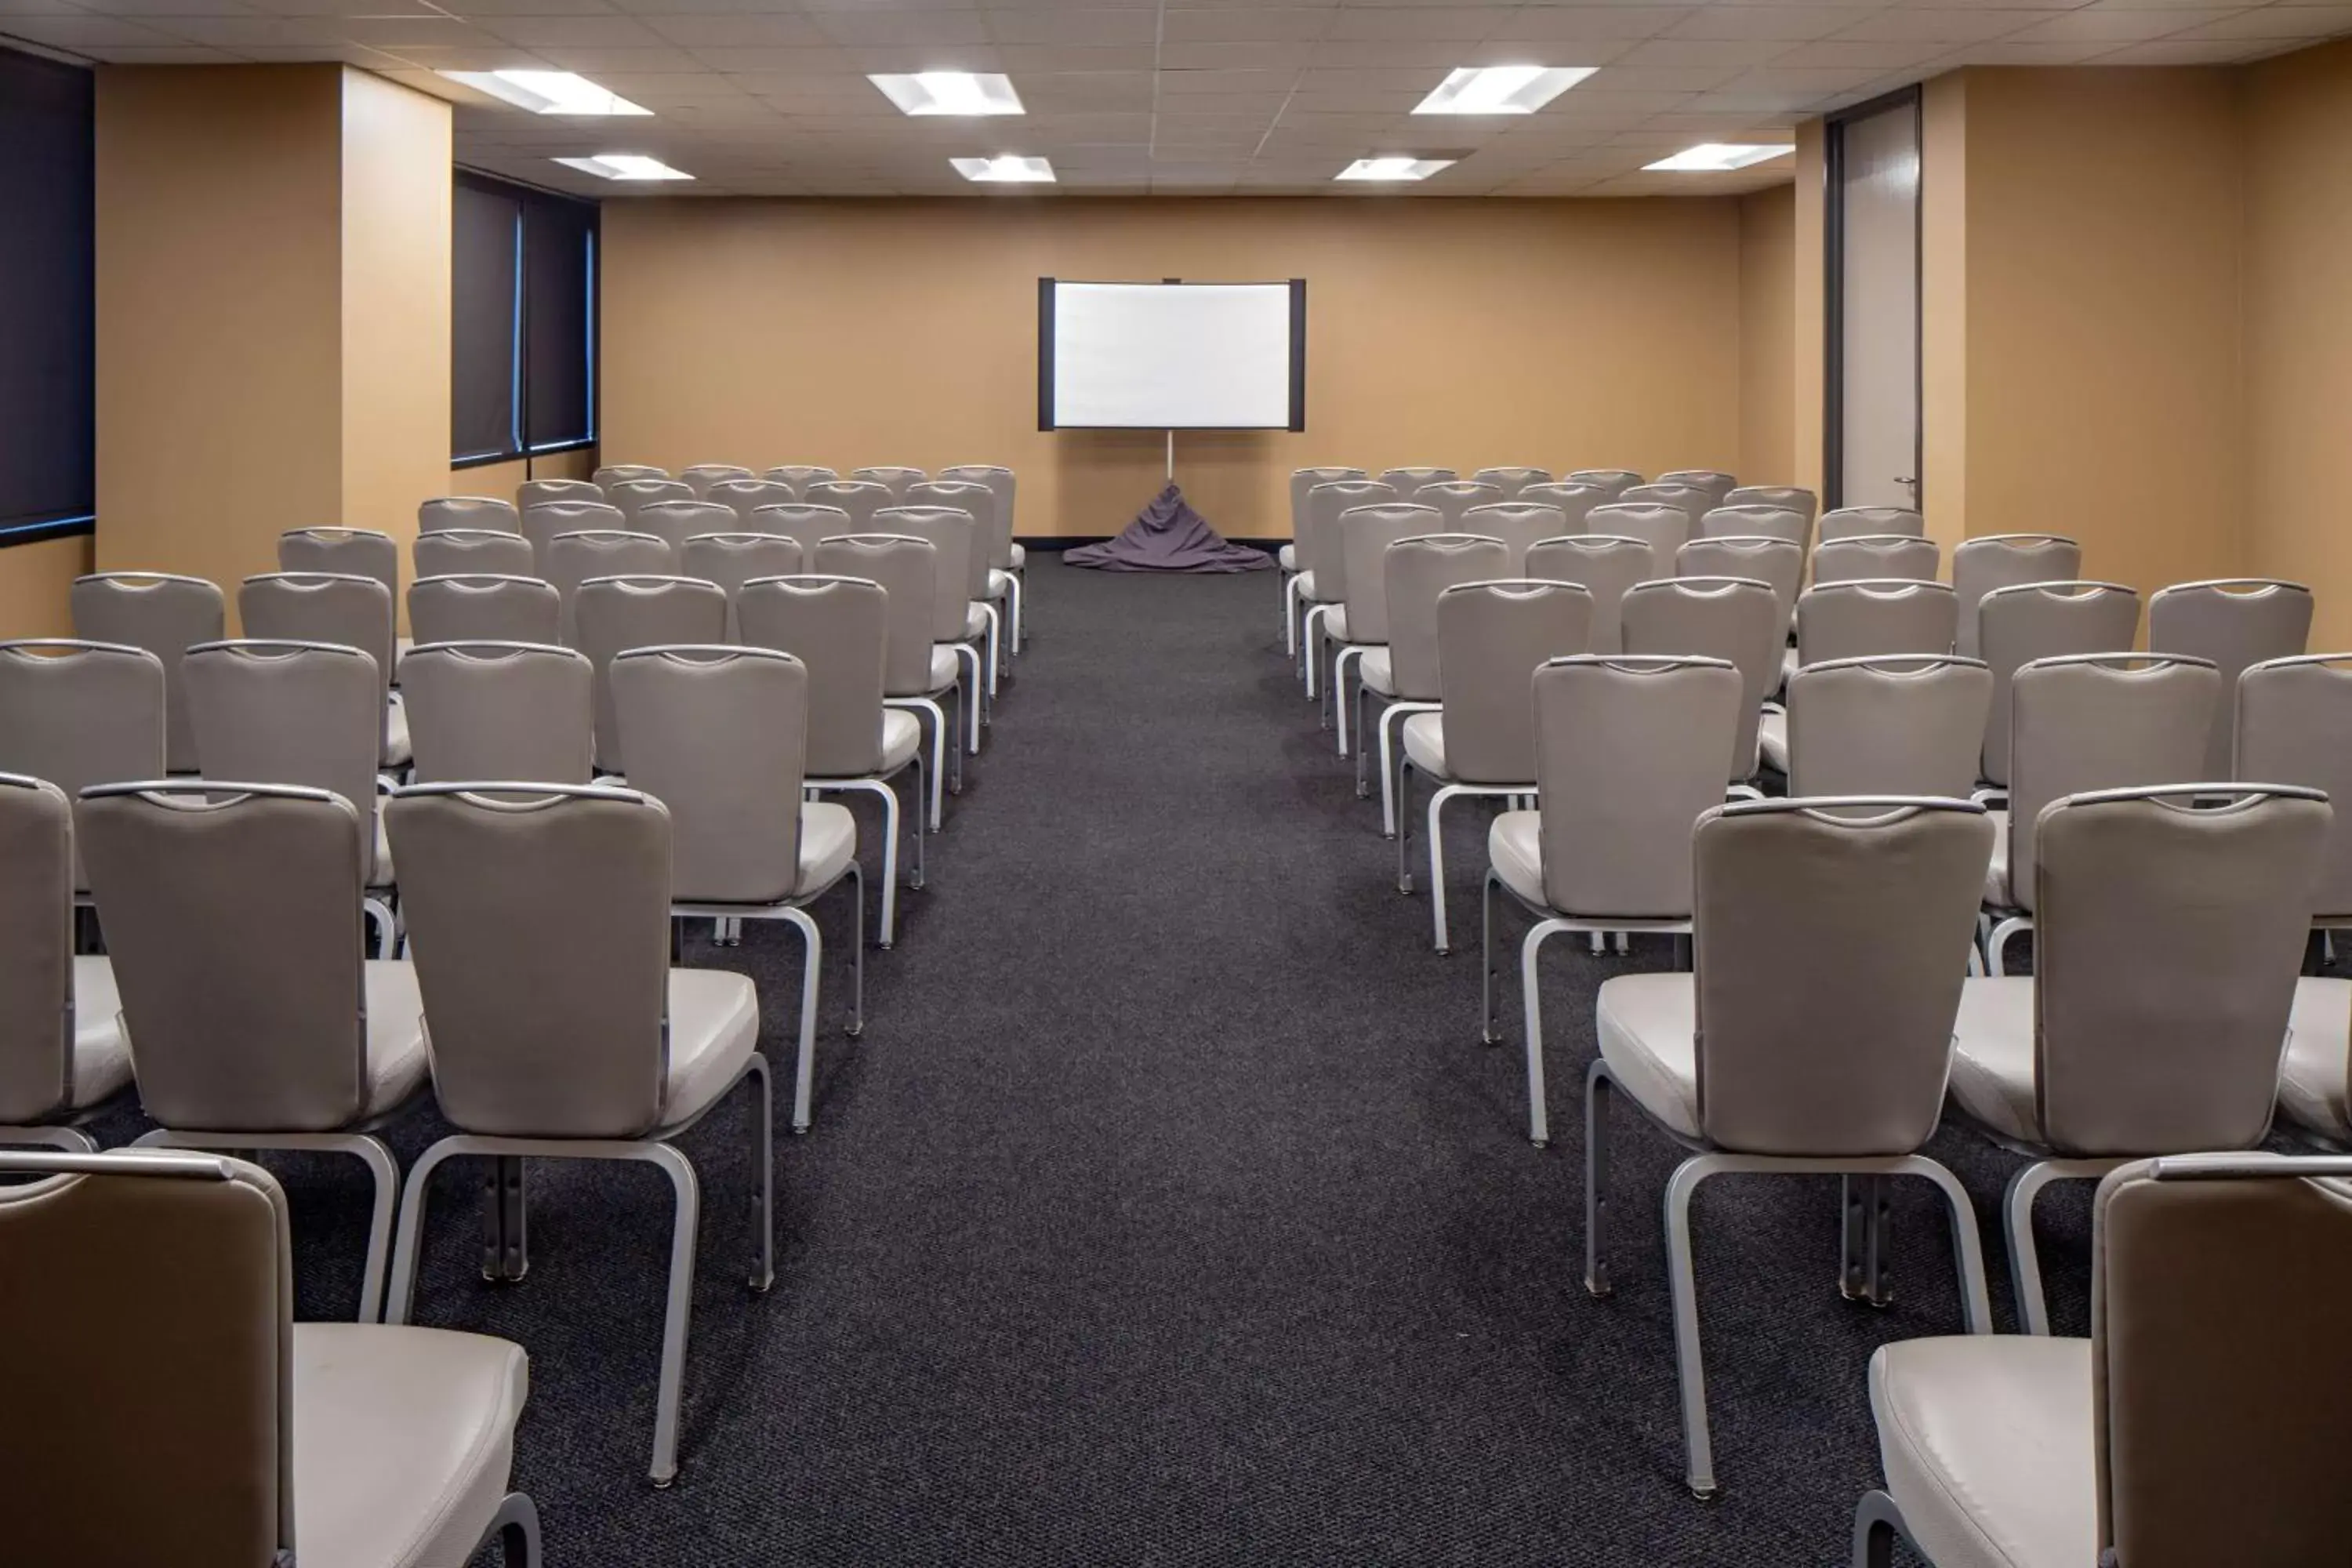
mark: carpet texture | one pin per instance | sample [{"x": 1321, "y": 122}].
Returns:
[{"x": 1169, "y": 1210}]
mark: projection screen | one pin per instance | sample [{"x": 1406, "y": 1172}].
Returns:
[{"x": 1172, "y": 356}]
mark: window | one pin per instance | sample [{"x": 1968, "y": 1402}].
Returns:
[
  {"x": 47, "y": 312},
  {"x": 522, "y": 323}
]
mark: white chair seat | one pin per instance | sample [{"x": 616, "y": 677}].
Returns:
[
  {"x": 396, "y": 1056},
  {"x": 1020, "y": 558},
  {"x": 1334, "y": 623},
  {"x": 1993, "y": 1056},
  {"x": 1989, "y": 1448},
  {"x": 975, "y": 621},
  {"x": 397, "y": 751},
  {"x": 902, "y": 737},
  {"x": 1287, "y": 557},
  {"x": 828, "y": 841},
  {"x": 2312, "y": 1087},
  {"x": 714, "y": 1025},
  {"x": 1425, "y": 743},
  {"x": 403, "y": 1442},
  {"x": 1377, "y": 673},
  {"x": 1648, "y": 1025},
  {"x": 1515, "y": 845},
  {"x": 101, "y": 1057},
  {"x": 1788, "y": 664},
  {"x": 1996, "y": 887},
  {"x": 1000, "y": 583},
  {"x": 1306, "y": 581},
  {"x": 1772, "y": 738},
  {"x": 384, "y": 875},
  {"x": 943, "y": 665}
]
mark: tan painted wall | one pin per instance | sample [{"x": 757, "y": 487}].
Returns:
[
  {"x": 1768, "y": 431},
  {"x": 34, "y": 579},
  {"x": 1570, "y": 333},
  {"x": 2298, "y": 352}
]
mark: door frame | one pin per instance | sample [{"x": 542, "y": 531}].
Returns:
[{"x": 1833, "y": 303}]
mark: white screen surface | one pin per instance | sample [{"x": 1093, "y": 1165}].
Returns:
[{"x": 1171, "y": 355}]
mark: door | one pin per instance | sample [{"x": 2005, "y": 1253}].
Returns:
[{"x": 1874, "y": 351}]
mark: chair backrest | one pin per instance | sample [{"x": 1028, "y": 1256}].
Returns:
[
  {"x": 37, "y": 996},
  {"x": 1305, "y": 479},
  {"x": 159, "y": 1346},
  {"x": 1320, "y": 551},
  {"x": 1518, "y": 524},
  {"x": 1758, "y": 522},
  {"x": 1511, "y": 480},
  {"x": 1665, "y": 528},
  {"x": 893, "y": 476},
  {"x": 2044, "y": 620},
  {"x": 574, "y": 558},
  {"x": 2293, "y": 716},
  {"x": 1616, "y": 481},
  {"x": 731, "y": 560},
  {"x": 1455, "y": 497},
  {"x": 1853, "y": 521},
  {"x": 233, "y": 924},
  {"x": 799, "y": 475},
  {"x": 803, "y": 523},
  {"x": 2235, "y": 622},
  {"x": 1735, "y": 619},
  {"x": 459, "y": 552},
  {"x": 1606, "y": 566},
  {"x": 1860, "y": 620},
  {"x": 510, "y": 712},
  {"x": 305, "y": 606},
  {"x": 1575, "y": 501},
  {"x": 718, "y": 736},
  {"x": 539, "y": 923},
  {"x": 534, "y": 492},
  {"x": 1490, "y": 637},
  {"x": 1994, "y": 561},
  {"x": 700, "y": 477},
  {"x": 80, "y": 713},
  {"x": 1776, "y": 562},
  {"x": 1787, "y": 498},
  {"x": 1365, "y": 534},
  {"x": 1713, "y": 482},
  {"x": 1408, "y": 481},
  {"x": 2209, "y": 1447},
  {"x": 1002, "y": 482},
  {"x": 468, "y": 511},
  {"x": 839, "y": 628},
  {"x": 980, "y": 501},
  {"x": 610, "y": 474},
  {"x": 543, "y": 522},
  {"x": 906, "y": 567},
  {"x": 166, "y": 616},
  {"x": 348, "y": 551},
  {"x": 1825, "y": 944},
  {"x": 2167, "y": 936},
  {"x": 1416, "y": 570},
  {"x": 633, "y": 495},
  {"x": 1878, "y": 557},
  {"x": 483, "y": 606},
  {"x": 307, "y": 715},
  {"x": 744, "y": 496},
  {"x": 954, "y": 534},
  {"x": 1906, "y": 724},
  {"x": 1629, "y": 753},
  {"x": 2099, "y": 722},
  {"x": 627, "y": 612},
  {"x": 861, "y": 499},
  {"x": 675, "y": 521},
  {"x": 1686, "y": 499}
]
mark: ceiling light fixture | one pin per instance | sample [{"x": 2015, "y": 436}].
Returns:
[
  {"x": 1006, "y": 169},
  {"x": 548, "y": 92},
  {"x": 624, "y": 166},
  {"x": 1501, "y": 90},
  {"x": 1393, "y": 169},
  {"x": 1716, "y": 157},
  {"x": 950, "y": 93}
]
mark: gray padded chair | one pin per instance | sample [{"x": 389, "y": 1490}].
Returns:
[
  {"x": 1688, "y": 500},
  {"x": 232, "y": 919},
  {"x": 1415, "y": 572},
  {"x": 2164, "y": 980},
  {"x": 799, "y": 476},
  {"x": 484, "y": 607},
  {"x": 1606, "y": 566},
  {"x": 1735, "y": 619},
  {"x": 1575, "y": 501},
  {"x": 1007, "y": 560},
  {"x": 860, "y": 499},
  {"x": 731, "y": 560},
  {"x": 1518, "y": 524},
  {"x": 1780, "y": 562},
  {"x": 165, "y": 614},
  {"x": 1787, "y": 498},
  {"x": 1867, "y": 619},
  {"x": 1665, "y": 528},
  {"x": 343, "y": 551},
  {"x": 992, "y": 587},
  {"x": 297, "y": 714},
  {"x": 1717, "y": 484},
  {"x": 2236, "y": 622},
  {"x": 1994, "y": 561},
  {"x": 917, "y": 672},
  {"x": 573, "y": 559},
  {"x": 1512, "y": 479},
  {"x": 675, "y": 521},
  {"x": 543, "y": 522},
  {"x": 2046, "y": 620},
  {"x": 1301, "y": 481},
  {"x": 1878, "y": 557},
  {"x": 1360, "y": 625},
  {"x": 619, "y": 612},
  {"x": 803, "y": 522},
  {"x": 1761, "y": 1064},
  {"x": 839, "y": 628},
  {"x": 535, "y": 492},
  {"x": 542, "y": 925},
  {"x": 1904, "y": 724},
  {"x": 468, "y": 511},
  {"x": 1757, "y": 521},
  {"x": 1454, "y": 497},
  {"x": 744, "y": 496},
  {"x": 700, "y": 477},
  {"x": 633, "y": 495},
  {"x": 610, "y": 474},
  {"x": 464, "y": 552},
  {"x": 1627, "y": 752},
  {"x": 324, "y": 607},
  {"x": 1407, "y": 480},
  {"x": 62, "y": 1054},
  {"x": 189, "y": 1420},
  {"x": 1616, "y": 481},
  {"x": 522, "y": 712},
  {"x": 80, "y": 713},
  {"x": 1321, "y": 580},
  {"x": 894, "y": 477},
  {"x": 1481, "y": 740},
  {"x": 959, "y": 623},
  {"x": 2081, "y": 724},
  {"x": 1859, "y": 521},
  {"x": 719, "y": 738},
  {"x": 2182, "y": 1432}
]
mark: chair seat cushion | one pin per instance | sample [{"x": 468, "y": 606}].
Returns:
[
  {"x": 383, "y": 877},
  {"x": 828, "y": 842},
  {"x": 1772, "y": 738},
  {"x": 975, "y": 621},
  {"x": 395, "y": 735},
  {"x": 101, "y": 1057},
  {"x": 396, "y": 1056},
  {"x": 1335, "y": 624},
  {"x": 1425, "y": 743},
  {"x": 1788, "y": 664},
  {"x": 1988, "y": 1446},
  {"x": 403, "y": 1441},
  {"x": 1020, "y": 558},
  {"x": 1287, "y": 557},
  {"x": 902, "y": 737},
  {"x": 1648, "y": 1025},
  {"x": 1000, "y": 582},
  {"x": 2312, "y": 1087},
  {"x": 1993, "y": 1056},
  {"x": 1306, "y": 582},
  {"x": 1377, "y": 673},
  {"x": 714, "y": 1025},
  {"x": 943, "y": 665},
  {"x": 1996, "y": 887},
  {"x": 1515, "y": 844}
]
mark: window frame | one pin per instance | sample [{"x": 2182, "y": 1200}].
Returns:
[
  {"x": 35, "y": 527},
  {"x": 519, "y": 448}
]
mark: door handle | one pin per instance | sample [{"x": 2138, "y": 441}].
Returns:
[{"x": 1900, "y": 480}]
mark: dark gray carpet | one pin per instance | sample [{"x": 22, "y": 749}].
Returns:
[{"x": 1169, "y": 1210}]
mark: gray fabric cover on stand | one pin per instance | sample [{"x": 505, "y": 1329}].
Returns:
[{"x": 1170, "y": 536}]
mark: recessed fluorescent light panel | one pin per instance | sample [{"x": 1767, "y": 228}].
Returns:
[
  {"x": 949, "y": 92},
  {"x": 1393, "y": 169},
  {"x": 1008, "y": 170},
  {"x": 548, "y": 92},
  {"x": 624, "y": 166},
  {"x": 1715, "y": 157},
  {"x": 1501, "y": 90}
]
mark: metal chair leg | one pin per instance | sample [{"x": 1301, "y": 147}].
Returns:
[
  {"x": 670, "y": 1395},
  {"x": 1597, "y": 1086},
  {"x": 804, "y": 1069}
]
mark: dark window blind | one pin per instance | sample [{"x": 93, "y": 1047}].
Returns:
[
  {"x": 522, "y": 321},
  {"x": 48, "y": 311}
]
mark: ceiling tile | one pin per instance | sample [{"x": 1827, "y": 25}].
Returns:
[
  {"x": 1253, "y": 24},
  {"x": 1847, "y": 53},
  {"x": 1942, "y": 24},
  {"x": 2118, "y": 24},
  {"x": 86, "y": 32},
  {"x": 1570, "y": 23},
  {"x": 1072, "y": 29},
  {"x": 1791, "y": 24},
  {"x": 2175, "y": 52},
  {"x": 2279, "y": 23},
  {"x": 1695, "y": 54},
  {"x": 904, "y": 27}
]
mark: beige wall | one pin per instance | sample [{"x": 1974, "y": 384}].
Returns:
[
  {"x": 34, "y": 579},
  {"x": 1807, "y": 307},
  {"x": 499, "y": 479},
  {"x": 1768, "y": 432},
  {"x": 1568, "y": 334}
]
